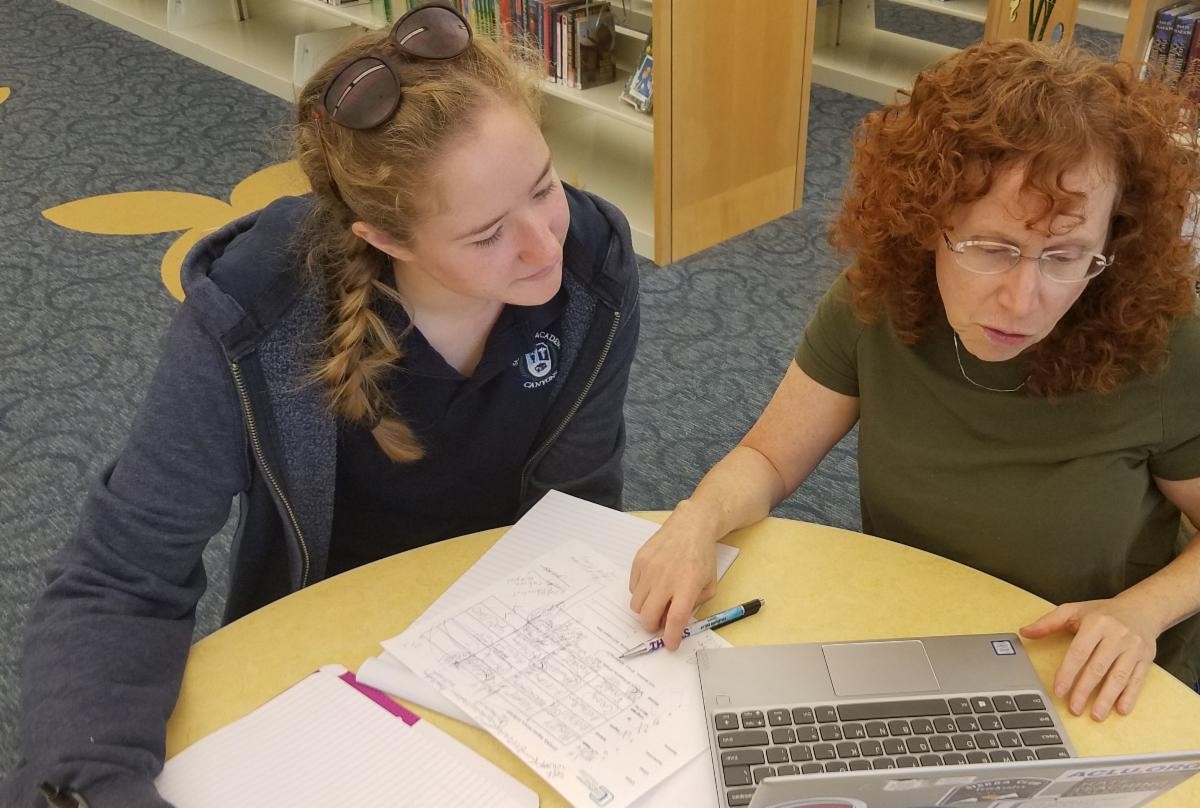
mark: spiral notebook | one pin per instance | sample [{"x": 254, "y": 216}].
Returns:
[{"x": 329, "y": 740}]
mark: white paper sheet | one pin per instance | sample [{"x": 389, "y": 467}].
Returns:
[
  {"x": 555, "y": 519},
  {"x": 692, "y": 786},
  {"x": 534, "y": 660},
  {"x": 325, "y": 742}
]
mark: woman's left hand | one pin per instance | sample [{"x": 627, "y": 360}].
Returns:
[{"x": 1114, "y": 647}]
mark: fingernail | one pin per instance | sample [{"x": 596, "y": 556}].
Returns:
[{"x": 1060, "y": 690}]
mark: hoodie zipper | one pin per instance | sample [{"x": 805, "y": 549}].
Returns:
[
  {"x": 612, "y": 333},
  {"x": 256, "y": 444}
]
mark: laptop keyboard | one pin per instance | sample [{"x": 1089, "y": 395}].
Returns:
[{"x": 881, "y": 735}]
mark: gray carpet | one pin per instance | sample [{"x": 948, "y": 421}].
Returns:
[{"x": 81, "y": 315}]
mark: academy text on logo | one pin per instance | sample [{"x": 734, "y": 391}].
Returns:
[{"x": 539, "y": 366}]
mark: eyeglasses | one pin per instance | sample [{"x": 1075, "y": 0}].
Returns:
[
  {"x": 1064, "y": 265},
  {"x": 367, "y": 92}
]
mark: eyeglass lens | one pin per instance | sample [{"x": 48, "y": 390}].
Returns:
[
  {"x": 431, "y": 32},
  {"x": 1057, "y": 264}
]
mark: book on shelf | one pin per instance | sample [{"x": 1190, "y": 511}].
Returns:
[
  {"x": 639, "y": 90},
  {"x": 1160, "y": 40},
  {"x": 1180, "y": 47}
]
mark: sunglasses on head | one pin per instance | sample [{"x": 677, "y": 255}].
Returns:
[{"x": 367, "y": 92}]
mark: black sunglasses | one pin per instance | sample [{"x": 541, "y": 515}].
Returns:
[{"x": 367, "y": 92}]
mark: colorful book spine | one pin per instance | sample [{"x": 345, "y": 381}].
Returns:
[
  {"x": 1180, "y": 46},
  {"x": 1164, "y": 26}
]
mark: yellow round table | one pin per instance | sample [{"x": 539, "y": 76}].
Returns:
[{"x": 820, "y": 584}]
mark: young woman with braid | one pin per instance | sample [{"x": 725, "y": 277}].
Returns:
[{"x": 423, "y": 347}]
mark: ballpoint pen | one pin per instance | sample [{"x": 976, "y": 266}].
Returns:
[{"x": 712, "y": 621}]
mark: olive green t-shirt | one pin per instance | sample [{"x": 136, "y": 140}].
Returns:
[{"x": 1056, "y": 497}]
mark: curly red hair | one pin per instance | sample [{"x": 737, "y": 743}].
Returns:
[{"x": 1011, "y": 104}]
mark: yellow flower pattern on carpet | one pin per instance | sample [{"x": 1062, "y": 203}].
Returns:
[{"x": 139, "y": 213}]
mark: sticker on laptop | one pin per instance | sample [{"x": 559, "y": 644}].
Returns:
[
  {"x": 1003, "y": 648},
  {"x": 1008, "y": 788}
]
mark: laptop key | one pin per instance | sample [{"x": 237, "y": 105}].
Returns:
[
  {"x": 1000, "y": 756},
  {"x": 1040, "y": 737},
  {"x": 786, "y": 769},
  {"x": 725, "y": 721},
  {"x": 914, "y": 708},
  {"x": 1029, "y": 701},
  {"x": 982, "y": 704},
  {"x": 985, "y": 740},
  {"x": 736, "y": 775},
  {"x": 803, "y": 715},
  {"x": 960, "y": 706},
  {"x": 853, "y": 732},
  {"x": 876, "y": 729},
  {"x": 743, "y": 757},
  {"x": 989, "y": 722},
  {"x": 967, "y": 723},
  {"x": 946, "y": 726},
  {"x": 883, "y": 763},
  {"x": 921, "y": 726},
  {"x": 800, "y": 753},
  {"x": 940, "y": 743},
  {"x": 963, "y": 743},
  {"x": 777, "y": 754},
  {"x": 907, "y": 762},
  {"x": 899, "y": 727},
  {"x": 812, "y": 768},
  {"x": 860, "y": 765},
  {"x": 783, "y": 735},
  {"x": 894, "y": 746},
  {"x": 779, "y": 718},
  {"x": 826, "y": 715},
  {"x": 930, "y": 760},
  {"x": 753, "y": 719},
  {"x": 1027, "y": 720},
  {"x": 1009, "y": 739},
  {"x": 807, "y": 734},
  {"x": 917, "y": 745},
  {"x": 836, "y": 766},
  {"x": 1023, "y": 754},
  {"x": 954, "y": 759},
  {"x": 824, "y": 751},
  {"x": 1004, "y": 704},
  {"x": 739, "y": 796},
  {"x": 977, "y": 757},
  {"x": 831, "y": 732},
  {"x": 762, "y": 772},
  {"x": 847, "y": 749},
  {"x": 746, "y": 737},
  {"x": 870, "y": 748},
  {"x": 1052, "y": 753}
]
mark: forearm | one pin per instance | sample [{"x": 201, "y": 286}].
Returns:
[
  {"x": 738, "y": 491},
  {"x": 1172, "y": 594}
]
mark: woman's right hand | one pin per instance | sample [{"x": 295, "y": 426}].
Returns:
[{"x": 673, "y": 573}]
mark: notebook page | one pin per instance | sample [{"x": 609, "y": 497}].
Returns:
[
  {"x": 323, "y": 742},
  {"x": 555, "y": 519},
  {"x": 534, "y": 659}
]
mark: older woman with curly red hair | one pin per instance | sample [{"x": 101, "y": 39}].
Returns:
[{"x": 1017, "y": 336}]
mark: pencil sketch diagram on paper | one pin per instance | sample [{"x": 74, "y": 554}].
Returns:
[{"x": 534, "y": 660}]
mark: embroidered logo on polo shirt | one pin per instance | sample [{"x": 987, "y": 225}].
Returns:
[{"x": 539, "y": 366}]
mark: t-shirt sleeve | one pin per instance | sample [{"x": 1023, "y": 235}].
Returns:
[
  {"x": 1178, "y": 457},
  {"x": 828, "y": 350}
]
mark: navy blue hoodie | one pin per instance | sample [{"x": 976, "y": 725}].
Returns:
[{"x": 229, "y": 415}]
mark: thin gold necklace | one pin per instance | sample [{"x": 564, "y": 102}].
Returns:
[{"x": 963, "y": 371}]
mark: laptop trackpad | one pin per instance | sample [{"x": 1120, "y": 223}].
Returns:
[{"x": 879, "y": 668}]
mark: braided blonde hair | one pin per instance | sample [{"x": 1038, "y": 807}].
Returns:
[{"x": 385, "y": 178}]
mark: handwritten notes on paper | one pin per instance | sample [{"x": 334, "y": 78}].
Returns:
[{"x": 534, "y": 659}]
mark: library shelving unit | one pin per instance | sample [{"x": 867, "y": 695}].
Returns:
[
  {"x": 853, "y": 56},
  {"x": 722, "y": 152},
  {"x": 1139, "y": 28}
]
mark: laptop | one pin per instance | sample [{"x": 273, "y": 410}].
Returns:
[{"x": 902, "y": 723}]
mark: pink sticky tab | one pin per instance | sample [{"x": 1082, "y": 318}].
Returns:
[{"x": 381, "y": 698}]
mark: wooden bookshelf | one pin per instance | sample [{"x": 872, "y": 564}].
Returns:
[{"x": 722, "y": 152}]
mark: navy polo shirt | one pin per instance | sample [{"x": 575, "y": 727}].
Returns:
[{"x": 477, "y": 433}]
